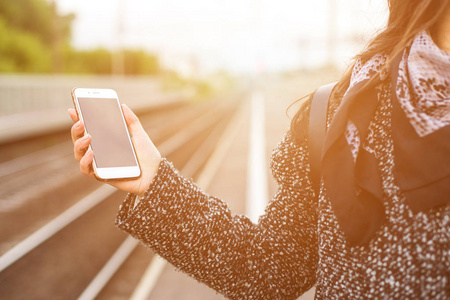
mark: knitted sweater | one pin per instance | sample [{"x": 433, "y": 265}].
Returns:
[{"x": 297, "y": 243}]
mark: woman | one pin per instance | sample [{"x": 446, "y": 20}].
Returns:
[{"x": 379, "y": 227}]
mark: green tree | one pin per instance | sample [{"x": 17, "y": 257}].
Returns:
[
  {"x": 139, "y": 62},
  {"x": 22, "y": 52},
  {"x": 97, "y": 61},
  {"x": 34, "y": 37},
  {"x": 39, "y": 19}
]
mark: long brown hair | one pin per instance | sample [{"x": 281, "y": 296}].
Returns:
[{"x": 406, "y": 20}]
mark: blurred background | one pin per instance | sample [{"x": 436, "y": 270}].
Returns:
[
  {"x": 211, "y": 81},
  {"x": 196, "y": 38}
]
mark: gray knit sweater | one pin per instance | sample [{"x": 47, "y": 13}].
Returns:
[{"x": 297, "y": 243}]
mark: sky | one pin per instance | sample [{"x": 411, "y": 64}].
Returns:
[{"x": 231, "y": 35}]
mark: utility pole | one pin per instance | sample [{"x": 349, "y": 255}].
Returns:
[
  {"x": 332, "y": 33},
  {"x": 257, "y": 34},
  {"x": 56, "y": 40},
  {"x": 117, "y": 55}
]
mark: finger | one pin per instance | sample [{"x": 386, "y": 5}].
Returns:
[
  {"x": 81, "y": 146},
  {"x": 86, "y": 164},
  {"x": 132, "y": 120},
  {"x": 73, "y": 114},
  {"x": 77, "y": 131}
]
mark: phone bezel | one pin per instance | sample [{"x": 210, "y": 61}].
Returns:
[{"x": 112, "y": 172}]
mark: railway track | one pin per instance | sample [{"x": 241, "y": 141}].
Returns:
[{"x": 57, "y": 233}]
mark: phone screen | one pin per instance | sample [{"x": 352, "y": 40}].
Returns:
[{"x": 110, "y": 143}]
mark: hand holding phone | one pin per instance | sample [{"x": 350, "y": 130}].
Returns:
[{"x": 117, "y": 160}]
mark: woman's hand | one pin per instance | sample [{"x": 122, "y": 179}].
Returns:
[{"x": 147, "y": 154}]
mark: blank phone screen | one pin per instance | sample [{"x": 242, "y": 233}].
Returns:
[{"x": 103, "y": 121}]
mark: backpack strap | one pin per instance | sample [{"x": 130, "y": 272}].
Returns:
[{"x": 317, "y": 131}]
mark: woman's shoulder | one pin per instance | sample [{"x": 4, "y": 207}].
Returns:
[
  {"x": 300, "y": 123},
  {"x": 288, "y": 160}
]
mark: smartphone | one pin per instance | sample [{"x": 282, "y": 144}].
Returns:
[{"x": 101, "y": 113}]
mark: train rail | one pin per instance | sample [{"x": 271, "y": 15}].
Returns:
[{"x": 57, "y": 237}]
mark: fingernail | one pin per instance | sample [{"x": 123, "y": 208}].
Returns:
[{"x": 85, "y": 137}]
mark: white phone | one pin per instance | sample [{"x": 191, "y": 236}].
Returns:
[{"x": 101, "y": 113}]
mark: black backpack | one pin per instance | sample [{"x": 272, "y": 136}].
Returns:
[{"x": 317, "y": 131}]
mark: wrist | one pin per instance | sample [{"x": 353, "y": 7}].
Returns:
[{"x": 147, "y": 177}]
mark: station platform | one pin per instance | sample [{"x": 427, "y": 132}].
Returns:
[
  {"x": 231, "y": 182},
  {"x": 36, "y": 105}
]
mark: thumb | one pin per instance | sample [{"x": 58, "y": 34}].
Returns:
[{"x": 132, "y": 120}]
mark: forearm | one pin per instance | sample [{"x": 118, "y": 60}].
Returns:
[{"x": 198, "y": 234}]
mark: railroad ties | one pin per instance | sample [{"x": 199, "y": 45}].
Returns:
[
  {"x": 58, "y": 239},
  {"x": 57, "y": 233}
]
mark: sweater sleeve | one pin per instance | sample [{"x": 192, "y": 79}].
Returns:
[{"x": 197, "y": 233}]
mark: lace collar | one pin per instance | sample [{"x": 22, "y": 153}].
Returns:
[{"x": 423, "y": 85}]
